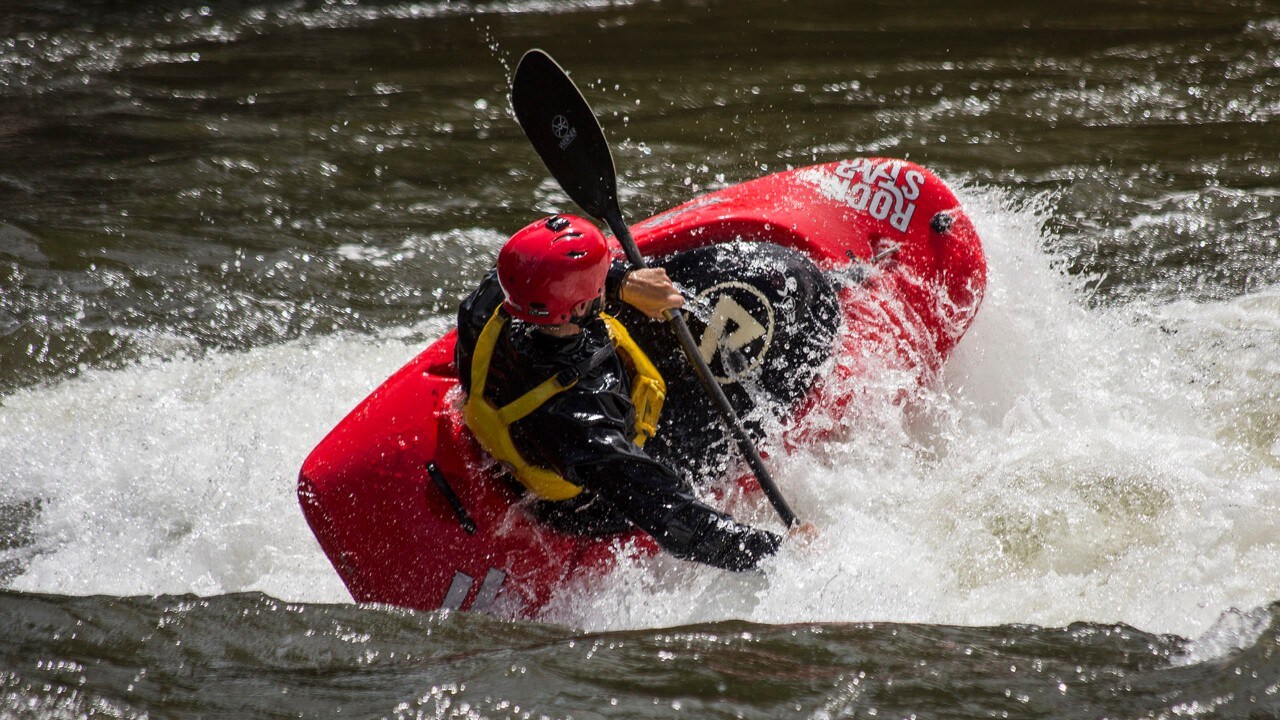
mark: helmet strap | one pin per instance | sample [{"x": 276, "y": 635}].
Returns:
[{"x": 592, "y": 311}]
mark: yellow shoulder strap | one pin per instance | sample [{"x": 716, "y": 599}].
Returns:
[
  {"x": 491, "y": 425},
  {"x": 648, "y": 389}
]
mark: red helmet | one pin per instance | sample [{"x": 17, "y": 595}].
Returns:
[{"x": 550, "y": 266}]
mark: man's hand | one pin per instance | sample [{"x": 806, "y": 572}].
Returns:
[
  {"x": 803, "y": 534},
  {"x": 650, "y": 291}
]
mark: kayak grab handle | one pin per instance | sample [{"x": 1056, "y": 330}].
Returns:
[{"x": 464, "y": 518}]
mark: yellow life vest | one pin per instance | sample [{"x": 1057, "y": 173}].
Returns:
[{"x": 492, "y": 424}]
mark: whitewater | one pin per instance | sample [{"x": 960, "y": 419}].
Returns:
[{"x": 1076, "y": 460}]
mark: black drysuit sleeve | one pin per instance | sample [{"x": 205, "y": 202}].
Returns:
[
  {"x": 655, "y": 500},
  {"x": 581, "y": 435}
]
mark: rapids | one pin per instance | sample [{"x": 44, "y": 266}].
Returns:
[
  {"x": 1073, "y": 462},
  {"x": 222, "y": 224}
]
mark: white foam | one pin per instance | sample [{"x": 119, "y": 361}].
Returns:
[
  {"x": 1112, "y": 465},
  {"x": 1072, "y": 463},
  {"x": 180, "y": 476},
  {"x": 1234, "y": 631}
]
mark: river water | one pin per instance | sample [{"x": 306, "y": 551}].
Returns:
[{"x": 223, "y": 224}]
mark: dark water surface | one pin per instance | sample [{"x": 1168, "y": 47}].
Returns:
[
  {"x": 197, "y": 169},
  {"x": 204, "y": 181},
  {"x": 252, "y": 656}
]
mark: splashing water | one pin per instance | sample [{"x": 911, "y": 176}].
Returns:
[{"x": 1070, "y": 463}]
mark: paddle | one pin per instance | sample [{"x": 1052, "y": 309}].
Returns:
[{"x": 567, "y": 136}]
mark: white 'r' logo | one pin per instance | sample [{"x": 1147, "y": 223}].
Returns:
[{"x": 734, "y": 329}]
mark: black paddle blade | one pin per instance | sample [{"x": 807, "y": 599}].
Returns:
[{"x": 565, "y": 133}]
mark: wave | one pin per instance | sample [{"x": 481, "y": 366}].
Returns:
[
  {"x": 251, "y": 655},
  {"x": 1073, "y": 462}
]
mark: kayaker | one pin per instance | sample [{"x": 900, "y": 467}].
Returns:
[{"x": 562, "y": 396}]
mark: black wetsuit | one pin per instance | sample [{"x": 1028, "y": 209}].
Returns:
[{"x": 584, "y": 433}]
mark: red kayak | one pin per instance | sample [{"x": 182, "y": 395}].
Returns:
[{"x": 799, "y": 284}]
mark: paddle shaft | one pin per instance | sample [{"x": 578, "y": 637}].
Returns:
[
  {"x": 567, "y": 135},
  {"x": 675, "y": 319}
]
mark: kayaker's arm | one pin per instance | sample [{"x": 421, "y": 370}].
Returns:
[
  {"x": 650, "y": 291},
  {"x": 613, "y": 282},
  {"x": 583, "y": 435},
  {"x": 654, "y": 499},
  {"x": 473, "y": 313}
]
